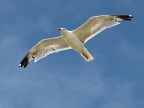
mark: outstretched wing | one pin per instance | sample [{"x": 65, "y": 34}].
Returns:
[
  {"x": 48, "y": 46},
  {"x": 44, "y": 48},
  {"x": 97, "y": 24}
]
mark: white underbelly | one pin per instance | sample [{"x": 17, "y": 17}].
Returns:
[{"x": 74, "y": 42}]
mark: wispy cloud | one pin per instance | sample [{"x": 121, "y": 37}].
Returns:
[
  {"x": 131, "y": 52},
  {"x": 113, "y": 80}
]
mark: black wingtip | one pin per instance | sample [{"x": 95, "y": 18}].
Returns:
[
  {"x": 25, "y": 61},
  {"x": 124, "y": 17}
]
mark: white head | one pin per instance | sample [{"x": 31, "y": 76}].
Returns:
[{"x": 63, "y": 31}]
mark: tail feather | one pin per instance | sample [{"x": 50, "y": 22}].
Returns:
[
  {"x": 25, "y": 61},
  {"x": 86, "y": 55},
  {"x": 124, "y": 17}
]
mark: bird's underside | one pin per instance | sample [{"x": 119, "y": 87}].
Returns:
[{"x": 77, "y": 38}]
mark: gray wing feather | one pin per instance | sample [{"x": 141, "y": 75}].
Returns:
[
  {"x": 95, "y": 25},
  {"x": 48, "y": 46}
]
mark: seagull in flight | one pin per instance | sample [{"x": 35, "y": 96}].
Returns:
[{"x": 74, "y": 39}]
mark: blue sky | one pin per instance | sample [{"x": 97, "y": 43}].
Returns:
[{"x": 114, "y": 79}]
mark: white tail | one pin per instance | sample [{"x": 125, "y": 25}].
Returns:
[{"x": 86, "y": 55}]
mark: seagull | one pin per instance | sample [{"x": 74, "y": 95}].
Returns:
[{"x": 74, "y": 39}]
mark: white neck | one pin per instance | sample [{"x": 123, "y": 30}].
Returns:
[{"x": 65, "y": 32}]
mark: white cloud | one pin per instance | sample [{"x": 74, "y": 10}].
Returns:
[
  {"x": 70, "y": 84},
  {"x": 130, "y": 51}
]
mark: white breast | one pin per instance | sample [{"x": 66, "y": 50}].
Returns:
[{"x": 73, "y": 41}]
